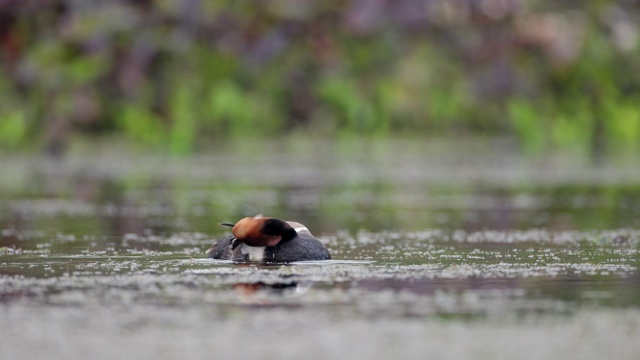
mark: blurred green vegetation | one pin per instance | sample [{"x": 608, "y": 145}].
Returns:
[{"x": 174, "y": 75}]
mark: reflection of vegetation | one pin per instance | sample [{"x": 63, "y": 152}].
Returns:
[
  {"x": 172, "y": 74},
  {"x": 86, "y": 206}
]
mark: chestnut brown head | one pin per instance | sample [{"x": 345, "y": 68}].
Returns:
[{"x": 260, "y": 231}]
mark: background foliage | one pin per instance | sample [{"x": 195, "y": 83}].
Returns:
[{"x": 177, "y": 74}]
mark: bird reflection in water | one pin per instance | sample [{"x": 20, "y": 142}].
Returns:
[{"x": 261, "y": 293}]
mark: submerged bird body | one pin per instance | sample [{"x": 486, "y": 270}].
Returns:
[{"x": 268, "y": 239}]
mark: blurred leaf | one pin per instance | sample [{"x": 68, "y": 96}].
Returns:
[
  {"x": 183, "y": 116},
  {"x": 356, "y": 111},
  {"x": 445, "y": 105},
  {"x": 528, "y": 124},
  {"x": 573, "y": 129},
  {"x": 623, "y": 125},
  {"x": 82, "y": 70},
  {"x": 13, "y": 128},
  {"x": 141, "y": 124},
  {"x": 230, "y": 109}
]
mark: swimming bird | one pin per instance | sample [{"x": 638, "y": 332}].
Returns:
[{"x": 268, "y": 239}]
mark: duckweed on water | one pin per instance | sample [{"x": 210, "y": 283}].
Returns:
[
  {"x": 420, "y": 263},
  {"x": 422, "y": 291}
]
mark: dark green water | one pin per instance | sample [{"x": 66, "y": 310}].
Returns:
[{"x": 429, "y": 240}]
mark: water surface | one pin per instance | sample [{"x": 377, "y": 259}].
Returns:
[{"x": 455, "y": 251}]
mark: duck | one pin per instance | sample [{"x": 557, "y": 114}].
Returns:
[{"x": 267, "y": 239}]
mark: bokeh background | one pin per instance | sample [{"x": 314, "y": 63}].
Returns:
[
  {"x": 472, "y": 165},
  {"x": 176, "y": 76},
  {"x": 166, "y": 116}
]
